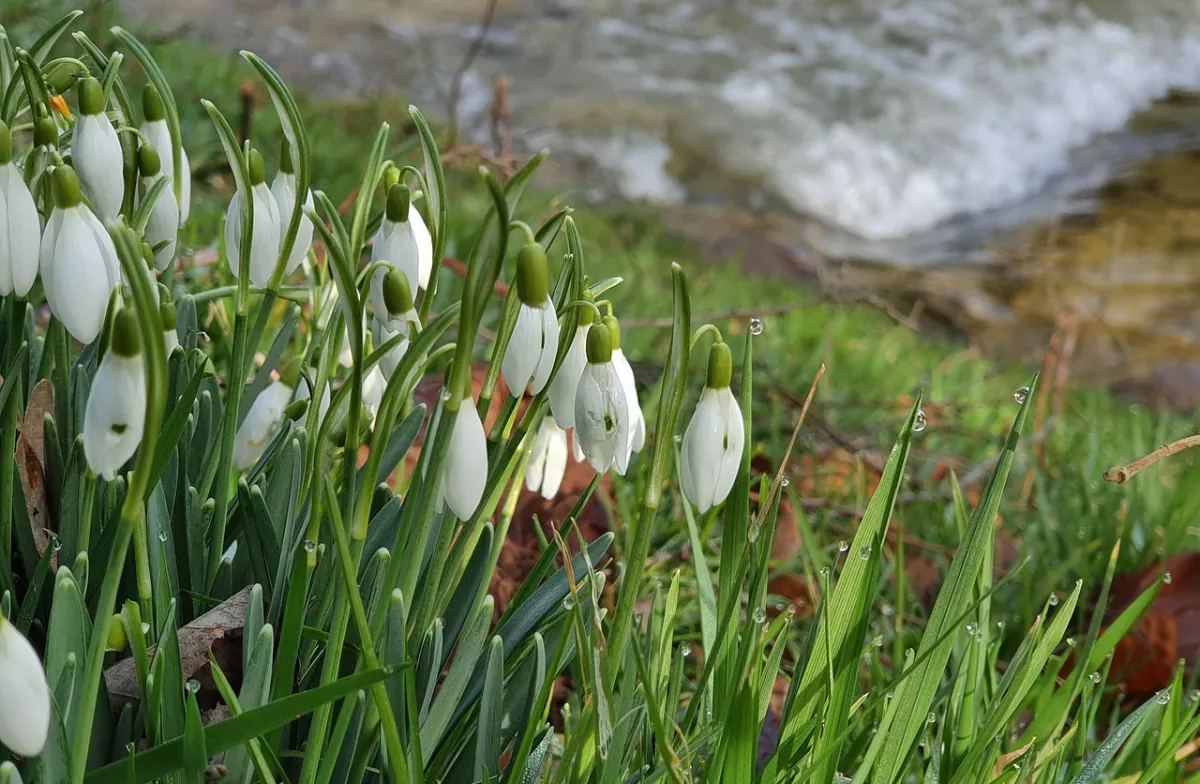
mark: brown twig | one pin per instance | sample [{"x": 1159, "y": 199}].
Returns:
[
  {"x": 472, "y": 52},
  {"x": 778, "y": 482},
  {"x": 1122, "y": 474}
]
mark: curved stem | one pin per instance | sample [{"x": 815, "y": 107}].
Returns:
[
  {"x": 699, "y": 333},
  {"x": 530, "y": 236}
]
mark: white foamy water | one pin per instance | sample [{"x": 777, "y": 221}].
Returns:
[{"x": 884, "y": 118}]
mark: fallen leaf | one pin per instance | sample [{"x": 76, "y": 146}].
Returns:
[
  {"x": 37, "y": 502},
  {"x": 218, "y": 630},
  {"x": 33, "y": 424}
]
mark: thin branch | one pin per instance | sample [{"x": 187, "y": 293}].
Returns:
[
  {"x": 727, "y": 315},
  {"x": 1122, "y": 474},
  {"x": 472, "y": 52}
]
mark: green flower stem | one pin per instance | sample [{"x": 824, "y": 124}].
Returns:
[
  {"x": 229, "y": 420},
  {"x": 347, "y": 562},
  {"x": 299, "y": 294},
  {"x": 133, "y": 511},
  {"x": 674, "y": 385},
  {"x": 8, "y": 434},
  {"x": 530, "y": 236},
  {"x": 508, "y": 321},
  {"x": 87, "y": 504},
  {"x": 699, "y": 333},
  {"x": 439, "y": 207}
]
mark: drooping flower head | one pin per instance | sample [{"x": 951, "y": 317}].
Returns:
[
  {"x": 566, "y": 380},
  {"x": 601, "y": 412},
  {"x": 395, "y": 316},
  {"x": 529, "y": 358},
  {"x": 466, "y": 466},
  {"x": 162, "y": 227},
  {"x": 20, "y": 231},
  {"x": 116, "y": 406},
  {"x": 263, "y": 420},
  {"x": 548, "y": 460},
  {"x": 96, "y": 153},
  {"x": 403, "y": 240},
  {"x": 155, "y": 129},
  {"x": 168, "y": 317},
  {"x": 77, "y": 260},
  {"x": 264, "y": 236},
  {"x": 283, "y": 188},
  {"x": 711, "y": 452},
  {"x": 24, "y": 694}
]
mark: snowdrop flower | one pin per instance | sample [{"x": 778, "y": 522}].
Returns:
[
  {"x": 96, "y": 153},
  {"x": 637, "y": 422},
  {"x": 601, "y": 412},
  {"x": 78, "y": 261},
  {"x": 403, "y": 239},
  {"x": 391, "y": 299},
  {"x": 154, "y": 128},
  {"x": 566, "y": 381},
  {"x": 548, "y": 461},
  {"x": 264, "y": 235},
  {"x": 24, "y": 695},
  {"x": 20, "y": 230},
  {"x": 116, "y": 404},
  {"x": 163, "y": 223},
  {"x": 373, "y": 388},
  {"x": 283, "y": 188},
  {"x": 262, "y": 420},
  {"x": 466, "y": 462},
  {"x": 534, "y": 343},
  {"x": 712, "y": 445}
]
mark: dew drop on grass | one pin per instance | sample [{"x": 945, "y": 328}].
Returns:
[
  {"x": 756, "y": 326},
  {"x": 1053, "y": 600},
  {"x": 760, "y": 615},
  {"x": 1095, "y": 677},
  {"x": 1163, "y": 697},
  {"x": 931, "y": 718},
  {"x": 444, "y": 394},
  {"x": 878, "y": 641},
  {"x": 1021, "y": 395},
  {"x": 971, "y": 629},
  {"x": 921, "y": 422},
  {"x": 843, "y": 546},
  {"x": 310, "y": 546},
  {"x": 865, "y": 553},
  {"x": 685, "y": 650},
  {"x": 193, "y": 686},
  {"x": 786, "y": 481},
  {"x": 778, "y": 606},
  {"x": 1194, "y": 696},
  {"x": 678, "y": 439},
  {"x": 162, "y": 536},
  {"x": 569, "y": 603},
  {"x": 55, "y": 543},
  {"x": 1166, "y": 578},
  {"x": 1070, "y": 642},
  {"x": 999, "y": 626}
]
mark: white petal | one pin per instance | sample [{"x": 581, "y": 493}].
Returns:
[
  {"x": 556, "y": 460},
  {"x": 284, "y": 191},
  {"x": 115, "y": 414},
  {"x": 524, "y": 350},
  {"x": 372, "y": 392},
  {"x": 159, "y": 136},
  {"x": 535, "y": 470},
  {"x": 566, "y": 382},
  {"x": 19, "y": 253},
  {"x": 163, "y": 224},
  {"x": 600, "y": 416},
  {"x": 81, "y": 286},
  {"x": 376, "y": 290},
  {"x": 701, "y": 451},
  {"x": 424, "y": 241},
  {"x": 734, "y": 437},
  {"x": 46, "y": 250},
  {"x": 185, "y": 187},
  {"x": 233, "y": 234},
  {"x": 466, "y": 463},
  {"x": 548, "y": 333},
  {"x": 637, "y": 423},
  {"x": 396, "y": 243},
  {"x": 257, "y": 429},
  {"x": 303, "y": 394},
  {"x": 391, "y": 360},
  {"x": 24, "y": 695},
  {"x": 108, "y": 251},
  {"x": 170, "y": 341},
  {"x": 576, "y": 451},
  {"x": 264, "y": 248},
  {"x": 96, "y": 154}
]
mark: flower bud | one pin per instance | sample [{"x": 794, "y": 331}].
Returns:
[
  {"x": 396, "y": 295},
  {"x": 296, "y": 410},
  {"x": 152, "y": 105},
  {"x": 24, "y": 695},
  {"x": 126, "y": 340},
  {"x": 117, "y": 637},
  {"x": 599, "y": 346},
  {"x": 614, "y": 331},
  {"x": 720, "y": 366},
  {"x": 91, "y": 96},
  {"x": 149, "y": 164},
  {"x": 67, "y": 192},
  {"x": 45, "y": 133},
  {"x": 398, "y": 200},
  {"x": 258, "y": 169}
]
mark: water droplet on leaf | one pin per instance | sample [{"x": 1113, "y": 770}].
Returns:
[
  {"x": 1021, "y": 395},
  {"x": 1166, "y": 578},
  {"x": 310, "y": 546},
  {"x": 756, "y": 326},
  {"x": 1095, "y": 677},
  {"x": 843, "y": 546},
  {"x": 760, "y": 614},
  {"x": 444, "y": 394},
  {"x": 931, "y": 718},
  {"x": 1163, "y": 697},
  {"x": 921, "y": 422},
  {"x": 865, "y": 553}
]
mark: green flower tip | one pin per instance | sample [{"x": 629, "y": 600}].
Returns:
[
  {"x": 126, "y": 342},
  {"x": 91, "y": 96},
  {"x": 45, "y": 133},
  {"x": 398, "y": 198},
  {"x": 390, "y": 178},
  {"x": 117, "y": 639},
  {"x": 6, "y": 148},
  {"x": 147, "y": 253},
  {"x": 296, "y": 410},
  {"x": 290, "y": 374},
  {"x": 397, "y": 297},
  {"x": 148, "y": 161},
  {"x": 258, "y": 169},
  {"x": 614, "y": 330},
  {"x": 533, "y": 279},
  {"x": 66, "y": 188},
  {"x": 599, "y": 346},
  {"x": 152, "y": 104},
  {"x": 167, "y": 316},
  {"x": 720, "y": 366},
  {"x": 285, "y": 155}
]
